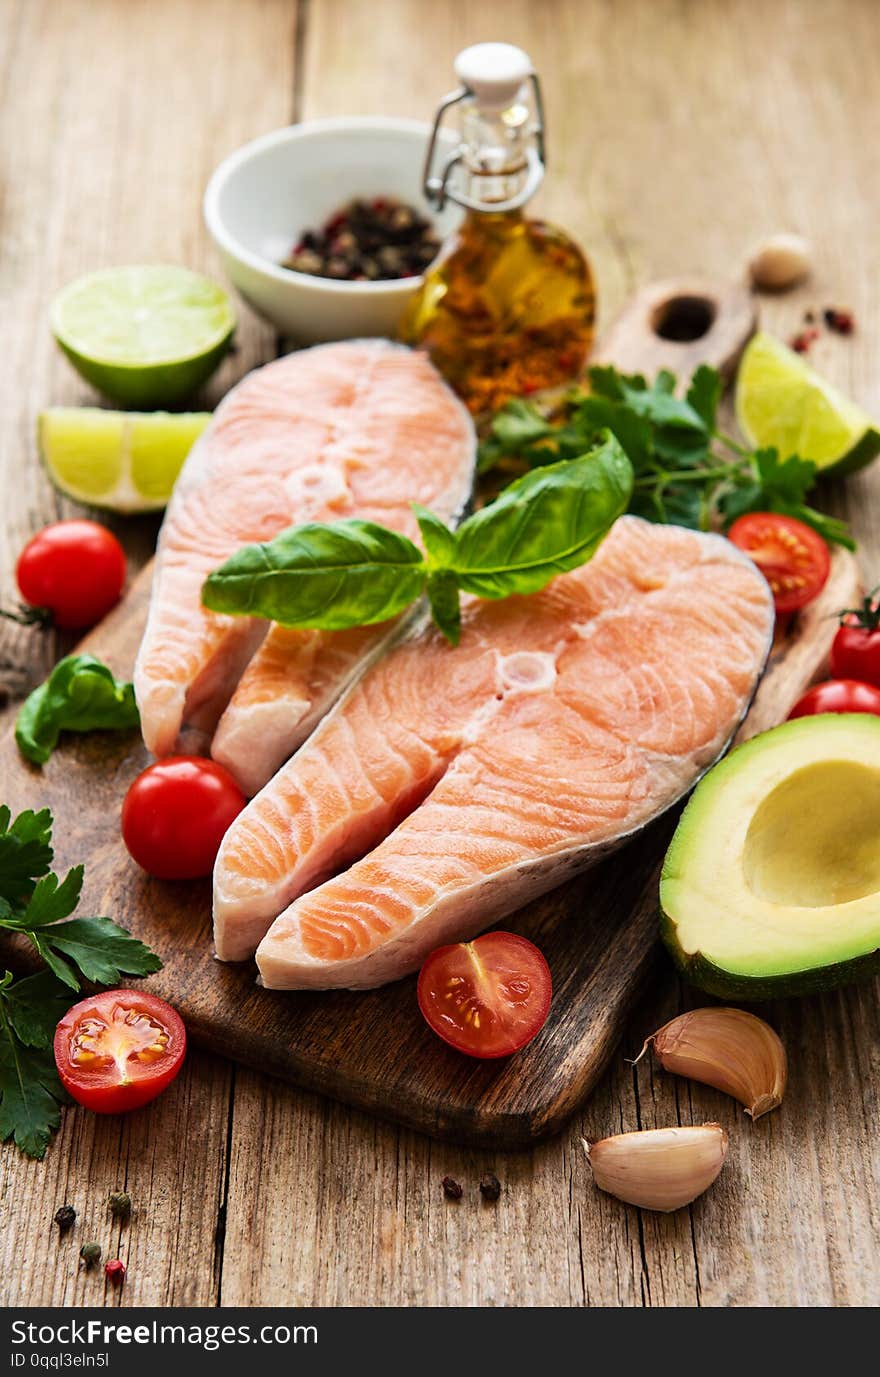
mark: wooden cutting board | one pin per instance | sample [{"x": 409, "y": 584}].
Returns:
[{"x": 373, "y": 1050}]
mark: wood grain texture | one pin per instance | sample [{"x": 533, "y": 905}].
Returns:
[
  {"x": 679, "y": 323},
  {"x": 680, "y": 132},
  {"x": 112, "y": 117}
]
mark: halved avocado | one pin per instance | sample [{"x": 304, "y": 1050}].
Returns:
[{"x": 771, "y": 885}]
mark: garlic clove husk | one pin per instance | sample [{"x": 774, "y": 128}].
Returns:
[
  {"x": 779, "y": 262},
  {"x": 659, "y": 1168},
  {"x": 732, "y": 1050}
]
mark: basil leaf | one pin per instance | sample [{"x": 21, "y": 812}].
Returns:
[
  {"x": 348, "y": 573},
  {"x": 545, "y": 523},
  {"x": 438, "y": 540},
  {"x": 80, "y": 695},
  {"x": 445, "y": 607}
]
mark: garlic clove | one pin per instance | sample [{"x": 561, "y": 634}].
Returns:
[
  {"x": 726, "y": 1048},
  {"x": 659, "y": 1168},
  {"x": 780, "y": 262}
]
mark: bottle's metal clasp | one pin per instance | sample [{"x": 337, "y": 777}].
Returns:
[{"x": 437, "y": 189}]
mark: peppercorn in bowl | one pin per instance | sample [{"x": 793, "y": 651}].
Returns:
[{"x": 322, "y": 227}]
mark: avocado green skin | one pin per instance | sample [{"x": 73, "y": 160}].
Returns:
[
  {"x": 743, "y": 988},
  {"x": 715, "y": 980},
  {"x": 858, "y": 457}
]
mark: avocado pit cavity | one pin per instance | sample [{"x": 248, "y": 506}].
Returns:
[{"x": 815, "y": 840}]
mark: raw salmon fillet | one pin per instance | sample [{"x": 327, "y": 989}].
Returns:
[
  {"x": 451, "y": 785},
  {"x": 358, "y": 429}
]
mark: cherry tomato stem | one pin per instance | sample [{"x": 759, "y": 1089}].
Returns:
[
  {"x": 855, "y": 651},
  {"x": 72, "y": 570}
]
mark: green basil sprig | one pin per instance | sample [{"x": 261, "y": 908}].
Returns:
[
  {"x": 80, "y": 695},
  {"x": 355, "y": 573}
]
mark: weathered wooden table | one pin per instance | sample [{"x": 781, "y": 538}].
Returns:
[{"x": 679, "y": 132}]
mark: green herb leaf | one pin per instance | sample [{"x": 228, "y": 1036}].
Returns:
[
  {"x": 520, "y": 424},
  {"x": 350, "y": 573},
  {"x": 32, "y": 902},
  {"x": 52, "y": 900},
  {"x": 439, "y": 540},
  {"x": 445, "y": 607},
  {"x": 634, "y": 432},
  {"x": 34, "y": 1006},
  {"x": 25, "y": 852},
  {"x": 545, "y": 523},
  {"x": 31, "y": 1094},
  {"x": 704, "y": 394},
  {"x": 101, "y": 950},
  {"x": 686, "y": 470},
  {"x": 80, "y": 695}
]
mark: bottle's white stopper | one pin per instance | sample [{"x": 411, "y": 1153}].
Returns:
[{"x": 495, "y": 72}]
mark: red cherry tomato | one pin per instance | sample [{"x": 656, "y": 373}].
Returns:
[
  {"x": 487, "y": 998},
  {"x": 793, "y": 558},
  {"x": 837, "y": 695},
  {"x": 855, "y": 652},
  {"x": 76, "y": 569},
  {"x": 119, "y": 1049},
  {"x": 176, "y": 814}
]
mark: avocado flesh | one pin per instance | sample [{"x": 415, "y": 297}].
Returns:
[{"x": 771, "y": 885}]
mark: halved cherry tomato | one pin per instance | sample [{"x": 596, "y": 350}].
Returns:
[
  {"x": 855, "y": 651},
  {"x": 75, "y": 569},
  {"x": 119, "y": 1049},
  {"x": 837, "y": 695},
  {"x": 487, "y": 998},
  {"x": 176, "y": 814},
  {"x": 793, "y": 558}
]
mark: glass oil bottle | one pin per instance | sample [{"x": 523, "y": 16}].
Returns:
[{"x": 508, "y": 308}]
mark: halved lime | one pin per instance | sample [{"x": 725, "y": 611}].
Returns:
[
  {"x": 126, "y": 461},
  {"x": 145, "y": 336},
  {"x": 782, "y": 401}
]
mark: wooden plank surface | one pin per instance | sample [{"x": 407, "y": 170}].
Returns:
[{"x": 679, "y": 133}]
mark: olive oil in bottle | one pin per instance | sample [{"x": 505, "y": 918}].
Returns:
[{"x": 508, "y": 308}]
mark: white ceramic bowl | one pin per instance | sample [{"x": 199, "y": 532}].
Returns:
[{"x": 262, "y": 197}]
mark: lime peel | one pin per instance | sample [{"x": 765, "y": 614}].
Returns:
[
  {"x": 123, "y": 461},
  {"x": 146, "y": 335},
  {"x": 782, "y": 402}
]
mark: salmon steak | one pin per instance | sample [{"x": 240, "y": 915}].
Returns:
[
  {"x": 449, "y": 786},
  {"x": 361, "y": 429}
]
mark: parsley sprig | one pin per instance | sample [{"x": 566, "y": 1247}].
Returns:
[
  {"x": 34, "y": 904},
  {"x": 687, "y": 470}
]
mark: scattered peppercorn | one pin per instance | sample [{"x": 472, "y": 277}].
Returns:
[
  {"x": 115, "y": 1271},
  {"x": 451, "y": 1188},
  {"x": 490, "y": 1187},
  {"x": 809, "y": 317},
  {"x": 802, "y": 341},
  {"x": 367, "y": 241},
  {"x": 90, "y": 1254},
  {"x": 120, "y": 1205},
  {"x": 841, "y": 322},
  {"x": 65, "y": 1217}
]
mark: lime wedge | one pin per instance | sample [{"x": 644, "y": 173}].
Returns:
[
  {"x": 144, "y": 336},
  {"x": 125, "y": 461},
  {"x": 782, "y": 401}
]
